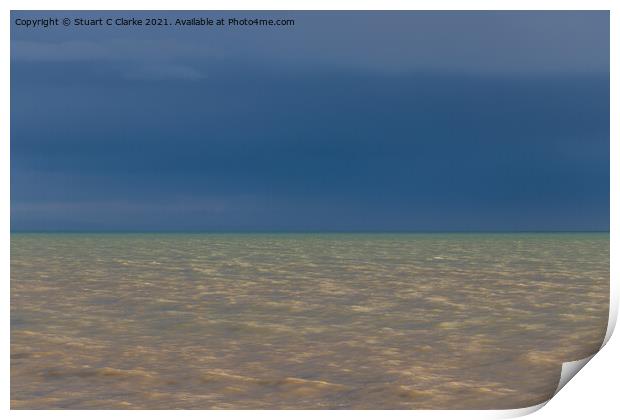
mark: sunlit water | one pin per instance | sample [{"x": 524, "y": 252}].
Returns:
[{"x": 301, "y": 321}]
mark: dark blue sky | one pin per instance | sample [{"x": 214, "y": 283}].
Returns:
[{"x": 417, "y": 121}]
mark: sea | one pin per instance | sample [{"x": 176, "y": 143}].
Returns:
[{"x": 301, "y": 321}]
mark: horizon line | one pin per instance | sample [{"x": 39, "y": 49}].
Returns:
[{"x": 302, "y": 231}]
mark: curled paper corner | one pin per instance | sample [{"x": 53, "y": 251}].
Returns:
[{"x": 570, "y": 369}]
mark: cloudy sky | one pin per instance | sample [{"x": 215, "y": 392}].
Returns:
[{"x": 347, "y": 121}]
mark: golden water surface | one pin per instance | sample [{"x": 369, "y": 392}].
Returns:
[{"x": 205, "y": 321}]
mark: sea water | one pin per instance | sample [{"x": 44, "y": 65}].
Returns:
[{"x": 374, "y": 321}]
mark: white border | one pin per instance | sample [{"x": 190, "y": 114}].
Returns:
[{"x": 601, "y": 386}]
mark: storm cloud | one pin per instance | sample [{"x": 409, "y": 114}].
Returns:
[{"x": 346, "y": 121}]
